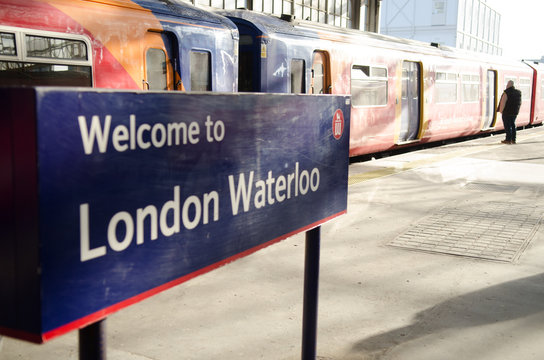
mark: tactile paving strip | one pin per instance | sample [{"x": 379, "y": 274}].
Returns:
[{"x": 492, "y": 230}]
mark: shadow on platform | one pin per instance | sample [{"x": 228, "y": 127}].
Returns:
[{"x": 507, "y": 301}]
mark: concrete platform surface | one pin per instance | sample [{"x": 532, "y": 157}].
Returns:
[{"x": 398, "y": 281}]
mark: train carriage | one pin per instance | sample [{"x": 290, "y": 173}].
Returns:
[
  {"x": 467, "y": 90},
  {"x": 140, "y": 44},
  {"x": 403, "y": 92}
]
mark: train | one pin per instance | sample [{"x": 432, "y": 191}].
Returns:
[
  {"x": 118, "y": 44},
  {"x": 403, "y": 92}
]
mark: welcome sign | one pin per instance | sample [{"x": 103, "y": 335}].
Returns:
[{"x": 111, "y": 197}]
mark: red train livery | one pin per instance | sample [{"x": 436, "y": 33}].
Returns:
[{"x": 403, "y": 92}]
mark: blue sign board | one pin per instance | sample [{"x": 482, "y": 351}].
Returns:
[{"x": 109, "y": 197}]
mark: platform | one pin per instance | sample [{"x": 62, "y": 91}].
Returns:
[{"x": 441, "y": 256}]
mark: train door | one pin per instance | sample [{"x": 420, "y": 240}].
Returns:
[
  {"x": 410, "y": 101},
  {"x": 298, "y": 76},
  {"x": 160, "y": 60},
  {"x": 321, "y": 74},
  {"x": 490, "y": 100},
  {"x": 251, "y": 51}
]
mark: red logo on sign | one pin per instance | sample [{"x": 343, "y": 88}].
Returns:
[{"x": 338, "y": 124}]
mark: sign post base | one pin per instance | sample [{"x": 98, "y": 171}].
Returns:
[
  {"x": 311, "y": 289},
  {"x": 92, "y": 341}
]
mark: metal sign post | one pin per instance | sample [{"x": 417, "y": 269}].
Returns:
[
  {"x": 311, "y": 290},
  {"x": 92, "y": 341}
]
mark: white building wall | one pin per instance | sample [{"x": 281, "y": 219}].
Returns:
[
  {"x": 467, "y": 24},
  {"x": 479, "y": 26}
]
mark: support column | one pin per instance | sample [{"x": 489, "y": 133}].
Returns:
[{"x": 372, "y": 15}]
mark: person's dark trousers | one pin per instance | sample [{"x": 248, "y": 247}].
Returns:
[{"x": 509, "y": 122}]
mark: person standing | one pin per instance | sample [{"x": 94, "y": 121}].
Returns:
[{"x": 509, "y": 108}]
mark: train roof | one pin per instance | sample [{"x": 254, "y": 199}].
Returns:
[
  {"x": 265, "y": 23},
  {"x": 183, "y": 9},
  {"x": 269, "y": 24}
]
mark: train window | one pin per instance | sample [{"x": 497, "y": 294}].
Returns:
[
  {"x": 245, "y": 40},
  {"x": 446, "y": 87},
  {"x": 298, "y": 85},
  {"x": 378, "y": 72},
  {"x": 470, "y": 88},
  {"x": 318, "y": 74},
  {"x": 200, "y": 71},
  {"x": 508, "y": 78},
  {"x": 54, "y": 48},
  {"x": 37, "y": 74},
  {"x": 30, "y": 57},
  {"x": 525, "y": 88},
  {"x": 368, "y": 85},
  {"x": 155, "y": 60},
  {"x": 7, "y": 44}
]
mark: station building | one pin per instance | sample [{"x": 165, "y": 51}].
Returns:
[
  {"x": 466, "y": 24},
  {"x": 350, "y": 14}
]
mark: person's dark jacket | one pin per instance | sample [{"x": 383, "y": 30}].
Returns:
[{"x": 513, "y": 101}]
